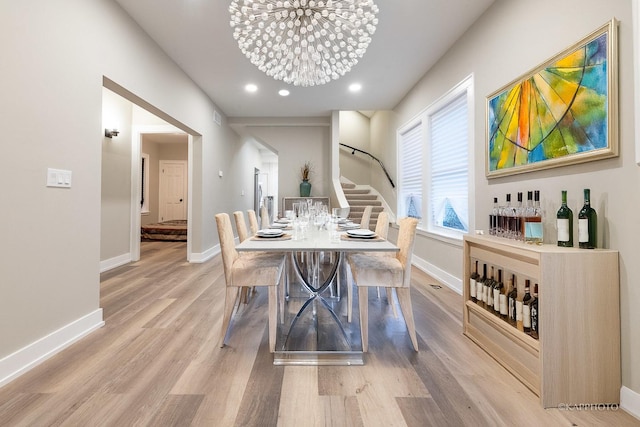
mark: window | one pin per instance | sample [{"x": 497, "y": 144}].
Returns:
[
  {"x": 449, "y": 164},
  {"x": 410, "y": 178},
  {"x": 433, "y": 164}
]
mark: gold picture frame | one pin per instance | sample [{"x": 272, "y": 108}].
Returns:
[{"x": 563, "y": 112}]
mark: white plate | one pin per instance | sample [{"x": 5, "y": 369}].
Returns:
[
  {"x": 283, "y": 220},
  {"x": 349, "y": 226},
  {"x": 270, "y": 232},
  {"x": 279, "y": 225},
  {"x": 362, "y": 233}
]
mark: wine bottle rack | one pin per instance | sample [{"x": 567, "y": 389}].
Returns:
[{"x": 576, "y": 358}]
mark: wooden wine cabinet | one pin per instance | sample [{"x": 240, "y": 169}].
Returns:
[{"x": 576, "y": 359}]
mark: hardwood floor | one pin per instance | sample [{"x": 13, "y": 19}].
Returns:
[{"x": 157, "y": 363}]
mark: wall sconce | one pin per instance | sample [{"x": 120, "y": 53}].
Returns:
[{"x": 110, "y": 133}]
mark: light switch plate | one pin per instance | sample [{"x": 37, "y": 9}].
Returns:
[{"x": 58, "y": 178}]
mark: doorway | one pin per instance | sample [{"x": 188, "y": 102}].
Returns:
[
  {"x": 172, "y": 200},
  {"x": 123, "y": 194},
  {"x": 169, "y": 150}
]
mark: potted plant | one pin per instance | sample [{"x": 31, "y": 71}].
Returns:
[{"x": 305, "y": 185}]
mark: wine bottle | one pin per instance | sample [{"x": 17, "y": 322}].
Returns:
[
  {"x": 488, "y": 289},
  {"x": 473, "y": 287},
  {"x": 519, "y": 214},
  {"x": 511, "y": 301},
  {"x": 510, "y": 218},
  {"x": 535, "y": 320},
  {"x": 493, "y": 218},
  {"x": 498, "y": 288},
  {"x": 503, "y": 217},
  {"x": 503, "y": 306},
  {"x": 533, "y": 229},
  {"x": 565, "y": 223},
  {"x": 526, "y": 308},
  {"x": 587, "y": 224},
  {"x": 519, "y": 311},
  {"x": 481, "y": 296}
]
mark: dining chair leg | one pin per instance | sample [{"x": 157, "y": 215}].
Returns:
[
  {"x": 342, "y": 262},
  {"x": 390, "y": 301},
  {"x": 290, "y": 266},
  {"x": 244, "y": 295},
  {"x": 273, "y": 317},
  {"x": 404, "y": 298},
  {"x": 229, "y": 303},
  {"x": 350, "y": 285},
  {"x": 363, "y": 304},
  {"x": 282, "y": 289}
]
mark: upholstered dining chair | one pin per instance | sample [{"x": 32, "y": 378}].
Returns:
[
  {"x": 366, "y": 217},
  {"x": 264, "y": 270},
  {"x": 253, "y": 224},
  {"x": 241, "y": 226},
  {"x": 253, "y": 221},
  {"x": 382, "y": 230},
  {"x": 264, "y": 217},
  {"x": 387, "y": 271},
  {"x": 243, "y": 234}
]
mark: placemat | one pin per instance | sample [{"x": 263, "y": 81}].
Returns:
[
  {"x": 360, "y": 239},
  {"x": 285, "y": 236}
]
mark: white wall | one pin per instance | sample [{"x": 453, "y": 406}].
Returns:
[
  {"x": 383, "y": 147},
  {"x": 55, "y": 55},
  {"x": 246, "y": 158},
  {"x": 511, "y": 38},
  {"x": 355, "y": 132},
  {"x": 115, "y": 215},
  {"x": 295, "y": 144}
]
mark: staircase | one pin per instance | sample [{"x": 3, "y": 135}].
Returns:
[{"x": 358, "y": 199}]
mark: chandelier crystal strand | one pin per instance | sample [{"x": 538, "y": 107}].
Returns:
[{"x": 303, "y": 42}]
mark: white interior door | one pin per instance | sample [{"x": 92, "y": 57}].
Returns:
[{"x": 173, "y": 190}]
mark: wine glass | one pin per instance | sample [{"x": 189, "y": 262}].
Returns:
[
  {"x": 303, "y": 218},
  {"x": 319, "y": 220}
]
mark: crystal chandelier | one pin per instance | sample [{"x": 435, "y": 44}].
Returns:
[{"x": 303, "y": 42}]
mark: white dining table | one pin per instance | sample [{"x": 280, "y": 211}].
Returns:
[{"x": 315, "y": 243}]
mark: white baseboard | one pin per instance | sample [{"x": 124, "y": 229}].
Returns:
[
  {"x": 114, "y": 262},
  {"x": 442, "y": 276},
  {"x": 16, "y": 364},
  {"x": 630, "y": 401},
  {"x": 200, "y": 257}
]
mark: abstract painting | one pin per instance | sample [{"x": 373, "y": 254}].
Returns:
[{"x": 562, "y": 112}]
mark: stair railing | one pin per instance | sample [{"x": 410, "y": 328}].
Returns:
[{"x": 353, "y": 151}]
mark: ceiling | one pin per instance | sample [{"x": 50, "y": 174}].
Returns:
[{"x": 410, "y": 37}]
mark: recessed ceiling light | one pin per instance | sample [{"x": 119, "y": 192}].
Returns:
[
  {"x": 355, "y": 87},
  {"x": 251, "y": 87},
  {"x": 283, "y": 92}
]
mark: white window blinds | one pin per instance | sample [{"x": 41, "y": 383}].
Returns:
[
  {"x": 410, "y": 172},
  {"x": 448, "y": 135}
]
